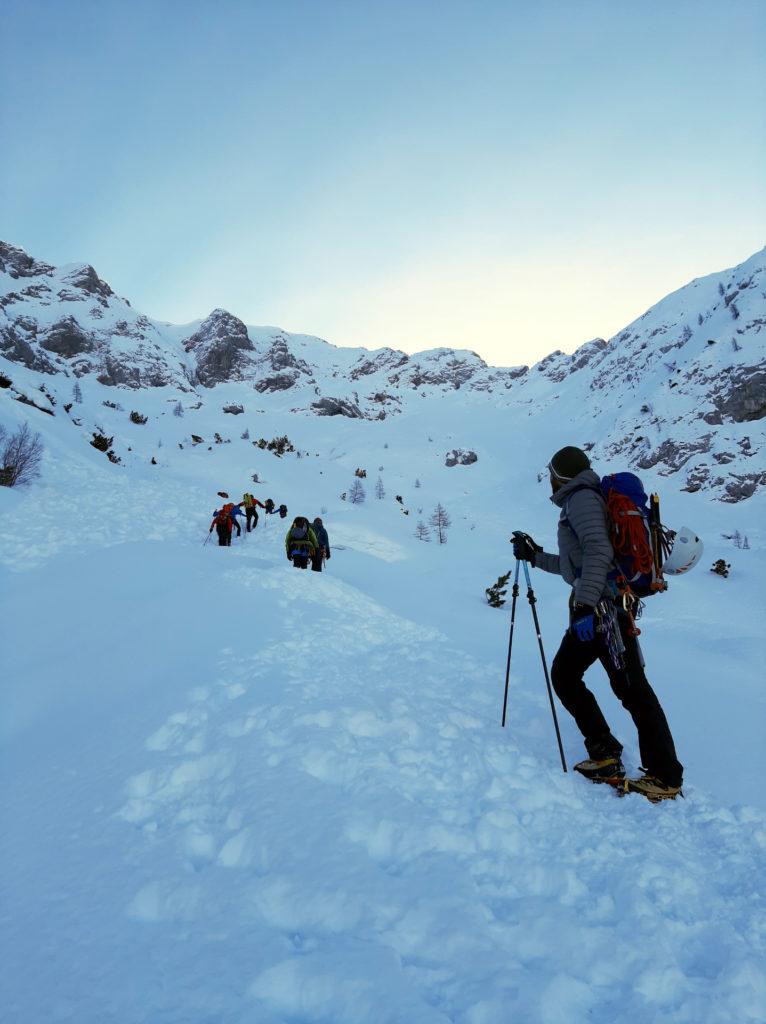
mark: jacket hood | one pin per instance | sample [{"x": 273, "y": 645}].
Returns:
[{"x": 585, "y": 479}]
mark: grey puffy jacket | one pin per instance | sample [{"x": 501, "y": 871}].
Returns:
[{"x": 585, "y": 551}]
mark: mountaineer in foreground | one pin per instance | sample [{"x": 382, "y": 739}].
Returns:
[{"x": 602, "y": 628}]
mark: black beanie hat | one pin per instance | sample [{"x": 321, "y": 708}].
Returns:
[{"x": 568, "y": 462}]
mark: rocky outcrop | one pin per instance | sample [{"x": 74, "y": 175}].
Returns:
[
  {"x": 674, "y": 454},
  {"x": 16, "y": 263},
  {"x": 585, "y": 353},
  {"x": 220, "y": 345},
  {"x": 17, "y": 348},
  {"x": 739, "y": 396},
  {"x": 85, "y": 279},
  {"x": 279, "y": 382},
  {"x": 460, "y": 457},
  {"x": 337, "y": 407},
  {"x": 281, "y": 358},
  {"x": 66, "y": 338},
  {"x": 443, "y": 368},
  {"x": 234, "y": 410},
  {"x": 742, "y": 485},
  {"x": 387, "y": 359}
]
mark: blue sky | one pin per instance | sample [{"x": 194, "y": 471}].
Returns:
[{"x": 508, "y": 177}]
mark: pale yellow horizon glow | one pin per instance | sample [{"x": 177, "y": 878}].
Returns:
[{"x": 509, "y": 312}]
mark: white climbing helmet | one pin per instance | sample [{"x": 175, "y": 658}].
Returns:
[{"x": 686, "y": 552}]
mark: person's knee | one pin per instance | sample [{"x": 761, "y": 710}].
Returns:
[{"x": 560, "y": 677}]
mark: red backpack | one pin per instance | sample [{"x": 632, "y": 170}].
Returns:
[{"x": 223, "y": 518}]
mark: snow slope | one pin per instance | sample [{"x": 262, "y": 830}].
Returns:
[{"x": 235, "y": 792}]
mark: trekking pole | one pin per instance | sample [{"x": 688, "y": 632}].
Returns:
[
  {"x": 204, "y": 542},
  {"x": 532, "y": 602},
  {"x": 515, "y": 593}
]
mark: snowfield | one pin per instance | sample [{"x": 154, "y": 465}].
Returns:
[{"x": 236, "y": 793}]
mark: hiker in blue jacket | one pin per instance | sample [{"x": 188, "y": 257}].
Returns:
[
  {"x": 236, "y": 512},
  {"x": 323, "y": 545}
]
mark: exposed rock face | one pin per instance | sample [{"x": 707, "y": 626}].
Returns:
[
  {"x": 66, "y": 338},
  {"x": 674, "y": 454},
  {"x": 442, "y": 368},
  {"x": 337, "y": 407},
  {"x": 585, "y": 354},
  {"x": 742, "y": 486},
  {"x": 16, "y": 347},
  {"x": 281, "y": 358},
  {"x": 742, "y": 397},
  {"x": 558, "y": 366},
  {"x": 460, "y": 457},
  {"x": 235, "y": 410},
  {"x": 387, "y": 359},
  {"x": 86, "y": 280},
  {"x": 219, "y": 344},
  {"x": 16, "y": 263},
  {"x": 279, "y": 382}
]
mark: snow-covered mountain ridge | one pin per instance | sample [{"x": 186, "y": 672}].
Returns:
[{"x": 679, "y": 389}]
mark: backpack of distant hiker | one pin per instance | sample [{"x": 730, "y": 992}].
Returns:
[
  {"x": 282, "y": 511},
  {"x": 635, "y": 531},
  {"x": 300, "y": 531},
  {"x": 248, "y": 500},
  {"x": 300, "y": 543},
  {"x": 223, "y": 516}
]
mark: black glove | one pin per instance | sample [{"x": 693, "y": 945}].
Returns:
[
  {"x": 524, "y": 547},
  {"x": 210, "y": 530}
]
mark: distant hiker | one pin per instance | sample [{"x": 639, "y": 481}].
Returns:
[
  {"x": 323, "y": 545},
  {"x": 598, "y": 627},
  {"x": 222, "y": 522},
  {"x": 251, "y": 510},
  {"x": 269, "y": 507},
  {"x": 282, "y": 511},
  {"x": 235, "y": 513},
  {"x": 300, "y": 543}
]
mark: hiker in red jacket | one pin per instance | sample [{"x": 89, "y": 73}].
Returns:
[{"x": 223, "y": 523}]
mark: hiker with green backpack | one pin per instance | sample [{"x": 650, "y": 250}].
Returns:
[
  {"x": 300, "y": 543},
  {"x": 602, "y": 627}
]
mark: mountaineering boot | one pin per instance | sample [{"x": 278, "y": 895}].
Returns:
[
  {"x": 652, "y": 788},
  {"x": 604, "y": 763},
  {"x": 605, "y": 769}
]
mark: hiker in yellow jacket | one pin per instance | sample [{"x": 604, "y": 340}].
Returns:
[{"x": 252, "y": 505}]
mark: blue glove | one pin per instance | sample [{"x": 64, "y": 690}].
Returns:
[{"x": 584, "y": 626}]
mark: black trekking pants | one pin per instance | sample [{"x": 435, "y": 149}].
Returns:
[
  {"x": 316, "y": 561},
  {"x": 224, "y": 534},
  {"x": 251, "y": 513},
  {"x": 300, "y": 561},
  {"x": 631, "y": 687}
]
